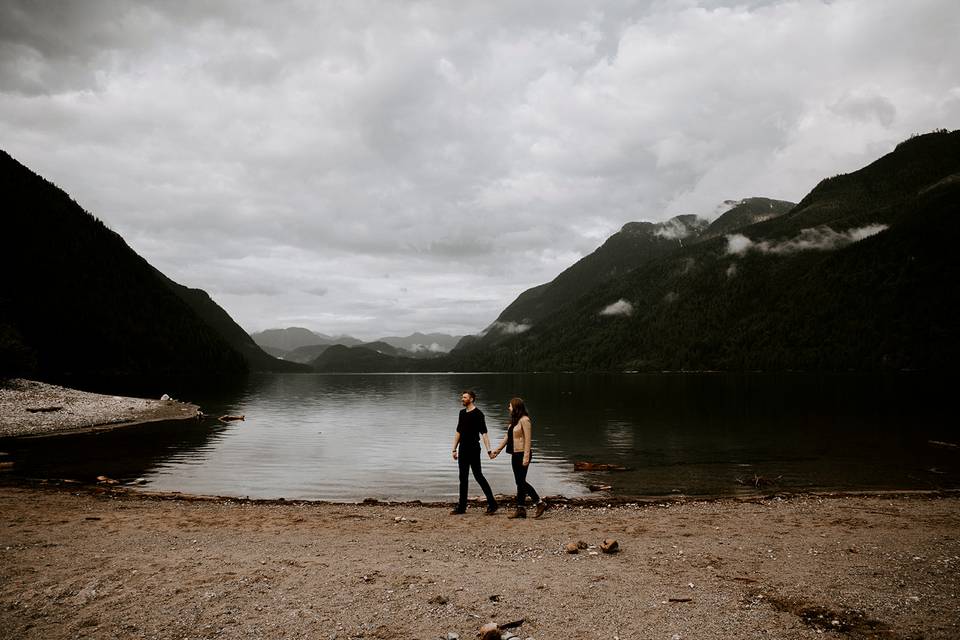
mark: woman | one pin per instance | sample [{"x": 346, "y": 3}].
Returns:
[{"x": 518, "y": 445}]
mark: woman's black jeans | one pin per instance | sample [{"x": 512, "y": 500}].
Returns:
[
  {"x": 520, "y": 475},
  {"x": 469, "y": 457}
]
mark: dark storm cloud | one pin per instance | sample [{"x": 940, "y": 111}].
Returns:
[{"x": 289, "y": 156}]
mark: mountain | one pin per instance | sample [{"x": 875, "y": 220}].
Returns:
[
  {"x": 860, "y": 275},
  {"x": 215, "y": 316},
  {"x": 746, "y": 212},
  {"x": 289, "y": 339},
  {"x": 295, "y": 337},
  {"x": 305, "y": 354},
  {"x": 297, "y": 344},
  {"x": 424, "y": 342},
  {"x": 635, "y": 244},
  {"x": 276, "y": 353},
  {"x": 422, "y": 353},
  {"x": 77, "y": 301},
  {"x": 384, "y": 348},
  {"x": 339, "y": 358}
]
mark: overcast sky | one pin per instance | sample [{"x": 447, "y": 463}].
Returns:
[{"x": 380, "y": 168}]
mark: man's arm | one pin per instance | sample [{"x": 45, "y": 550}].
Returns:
[
  {"x": 482, "y": 428},
  {"x": 496, "y": 452},
  {"x": 456, "y": 443}
]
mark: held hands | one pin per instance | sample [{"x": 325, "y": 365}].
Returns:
[{"x": 493, "y": 454}]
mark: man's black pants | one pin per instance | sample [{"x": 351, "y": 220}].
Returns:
[{"x": 469, "y": 458}]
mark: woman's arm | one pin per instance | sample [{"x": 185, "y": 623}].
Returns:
[{"x": 527, "y": 427}]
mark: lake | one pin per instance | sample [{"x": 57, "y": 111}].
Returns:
[{"x": 349, "y": 437}]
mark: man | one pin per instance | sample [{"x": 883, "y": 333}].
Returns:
[{"x": 470, "y": 428}]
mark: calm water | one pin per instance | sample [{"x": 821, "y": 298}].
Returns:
[{"x": 347, "y": 437}]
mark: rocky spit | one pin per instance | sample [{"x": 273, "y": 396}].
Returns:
[{"x": 30, "y": 408}]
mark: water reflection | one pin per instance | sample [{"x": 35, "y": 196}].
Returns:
[
  {"x": 346, "y": 437},
  {"x": 618, "y": 436},
  {"x": 123, "y": 453}
]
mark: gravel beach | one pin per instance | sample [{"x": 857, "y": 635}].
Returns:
[
  {"x": 30, "y": 408},
  {"x": 107, "y": 563}
]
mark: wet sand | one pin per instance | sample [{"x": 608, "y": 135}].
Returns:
[
  {"x": 108, "y": 563},
  {"x": 29, "y": 408}
]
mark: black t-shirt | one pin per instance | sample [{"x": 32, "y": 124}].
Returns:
[{"x": 470, "y": 425}]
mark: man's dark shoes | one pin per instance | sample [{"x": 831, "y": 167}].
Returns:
[
  {"x": 519, "y": 513},
  {"x": 492, "y": 509},
  {"x": 541, "y": 507},
  {"x": 457, "y": 511}
]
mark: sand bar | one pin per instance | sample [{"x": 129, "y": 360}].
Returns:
[
  {"x": 106, "y": 563},
  {"x": 30, "y": 408}
]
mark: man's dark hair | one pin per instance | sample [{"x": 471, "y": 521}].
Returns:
[{"x": 471, "y": 393}]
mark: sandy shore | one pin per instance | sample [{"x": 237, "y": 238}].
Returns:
[
  {"x": 29, "y": 408},
  {"x": 118, "y": 565}
]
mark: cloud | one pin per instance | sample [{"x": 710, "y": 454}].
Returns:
[
  {"x": 673, "y": 229},
  {"x": 510, "y": 328},
  {"x": 433, "y": 347},
  {"x": 468, "y": 152},
  {"x": 821, "y": 238},
  {"x": 864, "y": 108},
  {"x": 738, "y": 243},
  {"x": 619, "y": 308}
]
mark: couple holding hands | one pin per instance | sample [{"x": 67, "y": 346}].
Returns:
[{"x": 471, "y": 427}]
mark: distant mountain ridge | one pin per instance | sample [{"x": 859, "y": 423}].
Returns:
[
  {"x": 431, "y": 342},
  {"x": 339, "y": 358},
  {"x": 299, "y": 344},
  {"x": 295, "y": 337},
  {"x": 78, "y": 301},
  {"x": 308, "y": 354}
]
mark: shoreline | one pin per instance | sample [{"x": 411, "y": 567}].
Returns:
[
  {"x": 102, "y": 562},
  {"x": 133, "y": 491},
  {"x": 32, "y": 409}
]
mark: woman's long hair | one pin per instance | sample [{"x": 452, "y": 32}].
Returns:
[{"x": 517, "y": 411}]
